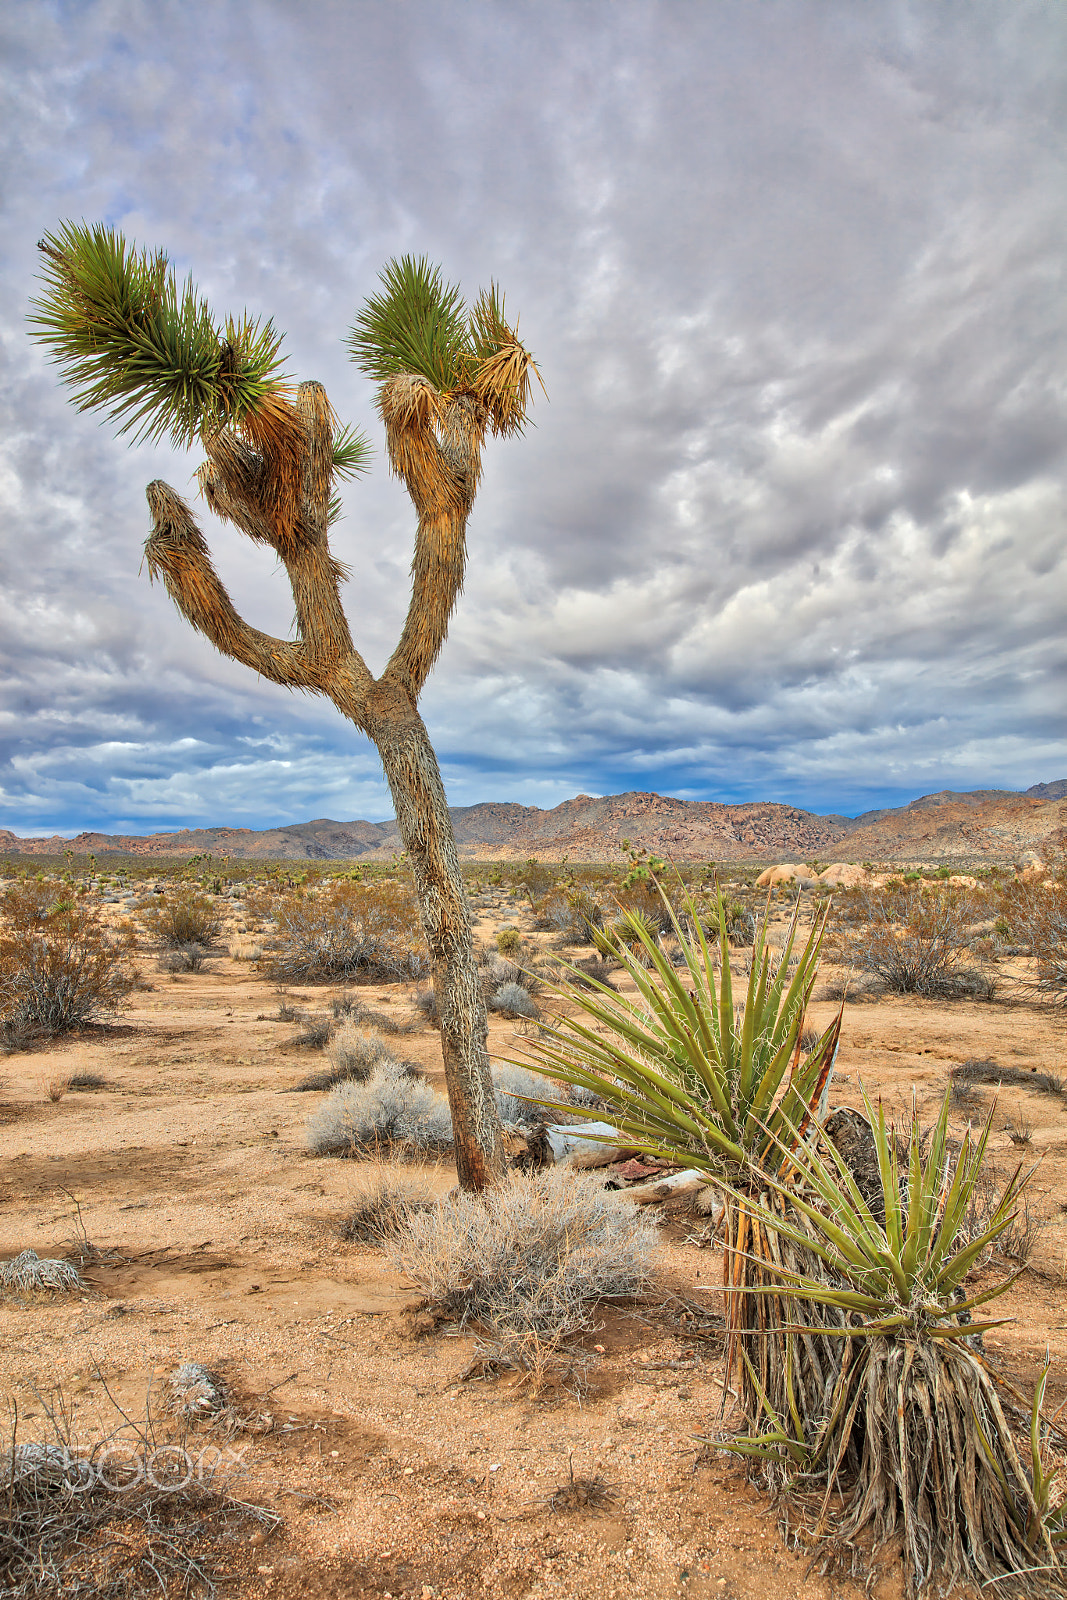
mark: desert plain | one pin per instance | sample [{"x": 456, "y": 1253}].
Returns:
[{"x": 387, "y": 1457}]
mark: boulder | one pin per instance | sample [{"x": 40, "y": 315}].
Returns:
[
  {"x": 1030, "y": 867},
  {"x": 844, "y": 874},
  {"x": 786, "y": 873}
]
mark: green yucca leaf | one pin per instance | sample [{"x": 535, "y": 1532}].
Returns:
[
  {"x": 418, "y": 324},
  {"x": 679, "y": 1064},
  {"x": 133, "y": 345},
  {"x": 908, "y": 1269},
  {"x": 352, "y": 451}
]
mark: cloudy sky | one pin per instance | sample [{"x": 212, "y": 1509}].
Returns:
[{"x": 791, "y": 522}]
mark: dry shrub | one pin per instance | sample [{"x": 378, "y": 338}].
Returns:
[
  {"x": 528, "y": 1260},
  {"x": 512, "y": 1000},
  {"x": 1037, "y": 916},
  {"x": 426, "y": 1003},
  {"x": 347, "y": 1005},
  {"x": 356, "y": 1052},
  {"x": 517, "y": 1091},
  {"x": 29, "y": 1271},
  {"x": 913, "y": 942},
  {"x": 183, "y": 958},
  {"x": 246, "y": 949},
  {"x": 343, "y": 931},
  {"x": 576, "y": 915},
  {"x": 182, "y": 918},
  {"x": 391, "y": 1110},
  {"x": 60, "y": 966},
  {"x": 386, "y": 1197},
  {"x": 128, "y": 1515}
]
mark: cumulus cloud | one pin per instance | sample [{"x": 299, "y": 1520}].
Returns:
[{"x": 791, "y": 523}]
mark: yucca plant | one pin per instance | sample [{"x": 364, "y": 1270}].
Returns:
[
  {"x": 691, "y": 1075},
  {"x": 131, "y": 342},
  {"x": 688, "y": 1072},
  {"x": 909, "y": 1430}
]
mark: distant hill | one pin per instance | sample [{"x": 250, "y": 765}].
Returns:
[{"x": 995, "y": 824}]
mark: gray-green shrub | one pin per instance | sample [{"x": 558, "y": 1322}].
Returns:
[
  {"x": 391, "y": 1109},
  {"x": 528, "y": 1259}
]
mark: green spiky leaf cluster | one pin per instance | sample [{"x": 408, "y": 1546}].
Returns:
[
  {"x": 352, "y": 451},
  {"x": 687, "y": 1073},
  {"x": 905, "y": 1272},
  {"x": 419, "y": 324},
  {"x": 150, "y": 355}
]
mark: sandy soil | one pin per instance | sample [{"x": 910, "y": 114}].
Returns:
[{"x": 218, "y": 1242}]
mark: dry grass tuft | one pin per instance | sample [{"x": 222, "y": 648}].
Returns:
[
  {"x": 29, "y": 1272},
  {"x": 581, "y": 1494},
  {"x": 387, "y": 1196}
]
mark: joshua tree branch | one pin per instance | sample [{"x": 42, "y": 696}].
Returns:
[
  {"x": 178, "y": 553},
  {"x": 435, "y": 447}
]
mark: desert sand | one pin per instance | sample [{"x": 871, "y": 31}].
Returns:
[{"x": 397, "y": 1467}]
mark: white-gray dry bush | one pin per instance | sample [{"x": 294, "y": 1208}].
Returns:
[
  {"x": 391, "y": 1109},
  {"x": 588, "y": 1099},
  {"x": 195, "y": 1392},
  {"x": 356, "y": 1051},
  {"x": 350, "y": 1005},
  {"x": 29, "y": 1271},
  {"x": 426, "y": 1002},
  {"x": 515, "y": 1088},
  {"x": 386, "y": 1197},
  {"x": 528, "y": 1260},
  {"x": 512, "y": 1000},
  {"x": 354, "y": 1054}
]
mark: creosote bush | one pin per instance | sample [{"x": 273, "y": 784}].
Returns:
[
  {"x": 343, "y": 931},
  {"x": 183, "y": 918},
  {"x": 528, "y": 1260},
  {"x": 913, "y": 942},
  {"x": 391, "y": 1110},
  {"x": 60, "y": 965}
]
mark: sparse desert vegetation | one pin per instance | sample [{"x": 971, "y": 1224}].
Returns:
[{"x": 191, "y": 1209}]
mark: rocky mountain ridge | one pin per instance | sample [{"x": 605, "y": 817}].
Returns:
[{"x": 995, "y": 825}]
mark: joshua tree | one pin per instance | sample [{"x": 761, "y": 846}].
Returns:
[{"x": 152, "y": 356}]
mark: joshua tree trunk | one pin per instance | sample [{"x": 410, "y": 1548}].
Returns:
[{"x": 426, "y": 828}]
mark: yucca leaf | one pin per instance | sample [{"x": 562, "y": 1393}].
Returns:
[
  {"x": 352, "y": 451},
  {"x": 147, "y": 354},
  {"x": 417, "y": 324}
]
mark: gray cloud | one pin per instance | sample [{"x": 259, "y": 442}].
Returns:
[{"x": 792, "y": 522}]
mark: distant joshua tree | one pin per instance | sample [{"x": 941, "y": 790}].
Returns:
[{"x": 152, "y": 356}]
